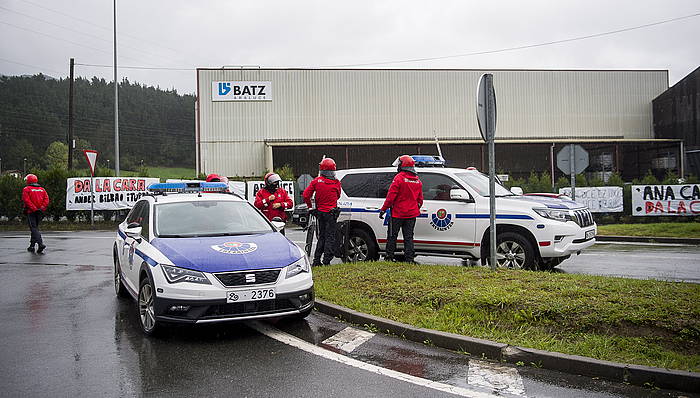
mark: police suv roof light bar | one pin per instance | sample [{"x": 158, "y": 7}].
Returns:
[
  {"x": 428, "y": 161},
  {"x": 187, "y": 187}
]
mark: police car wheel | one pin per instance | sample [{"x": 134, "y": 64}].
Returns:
[
  {"x": 119, "y": 287},
  {"x": 147, "y": 317},
  {"x": 514, "y": 251},
  {"x": 361, "y": 247}
]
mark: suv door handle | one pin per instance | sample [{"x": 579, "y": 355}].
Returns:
[
  {"x": 423, "y": 210},
  {"x": 371, "y": 208}
]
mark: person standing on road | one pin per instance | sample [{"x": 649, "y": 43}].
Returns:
[
  {"x": 327, "y": 189},
  {"x": 404, "y": 198},
  {"x": 35, "y": 200},
  {"x": 273, "y": 200}
]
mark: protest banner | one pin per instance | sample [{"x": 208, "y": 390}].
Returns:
[
  {"x": 666, "y": 200},
  {"x": 111, "y": 193},
  {"x": 598, "y": 199}
]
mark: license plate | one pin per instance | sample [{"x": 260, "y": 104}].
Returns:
[
  {"x": 238, "y": 296},
  {"x": 590, "y": 234}
]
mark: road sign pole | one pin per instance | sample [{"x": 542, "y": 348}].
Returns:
[
  {"x": 492, "y": 201},
  {"x": 92, "y": 200},
  {"x": 572, "y": 167}
]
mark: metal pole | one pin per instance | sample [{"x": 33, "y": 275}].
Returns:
[
  {"x": 92, "y": 199},
  {"x": 70, "y": 116},
  {"x": 682, "y": 159},
  {"x": 572, "y": 171},
  {"x": 551, "y": 159},
  {"x": 116, "y": 98},
  {"x": 491, "y": 135}
]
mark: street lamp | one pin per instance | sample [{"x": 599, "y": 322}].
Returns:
[{"x": 24, "y": 167}]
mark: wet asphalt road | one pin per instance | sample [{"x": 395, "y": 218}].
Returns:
[{"x": 66, "y": 334}]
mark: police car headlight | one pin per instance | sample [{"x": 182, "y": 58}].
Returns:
[
  {"x": 556, "y": 214},
  {"x": 299, "y": 266},
  {"x": 177, "y": 275}
]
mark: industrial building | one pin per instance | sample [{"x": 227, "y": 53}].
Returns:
[{"x": 250, "y": 119}]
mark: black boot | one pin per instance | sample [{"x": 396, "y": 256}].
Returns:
[
  {"x": 30, "y": 249},
  {"x": 41, "y": 248}
]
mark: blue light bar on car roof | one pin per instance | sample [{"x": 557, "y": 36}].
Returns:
[
  {"x": 188, "y": 187},
  {"x": 428, "y": 161}
]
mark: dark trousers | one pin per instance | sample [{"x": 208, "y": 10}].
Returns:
[
  {"x": 406, "y": 225},
  {"x": 326, "y": 238},
  {"x": 34, "y": 219}
]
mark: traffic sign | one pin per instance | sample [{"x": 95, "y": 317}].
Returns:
[
  {"x": 91, "y": 157},
  {"x": 486, "y": 107},
  {"x": 304, "y": 180},
  {"x": 580, "y": 159}
]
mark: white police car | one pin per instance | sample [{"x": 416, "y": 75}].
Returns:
[
  {"x": 532, "y": 232},
  {"x": 191, "y": 253}
]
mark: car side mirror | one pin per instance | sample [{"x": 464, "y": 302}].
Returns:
[
  {"x": 133, "y": 230},
  {"x": 461, "y": 195},
  {"x": 278, "y": 223},
  {"x": 516, "y": 190}
]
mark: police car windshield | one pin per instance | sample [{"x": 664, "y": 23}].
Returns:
[
  {"x": 208, "y": 218},
  {"x": 480, "y": 183}
]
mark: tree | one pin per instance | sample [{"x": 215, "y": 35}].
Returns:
[{"x": 57, "y": 155}]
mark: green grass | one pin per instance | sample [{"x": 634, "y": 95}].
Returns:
[
  {"x": 171, "y": 172},
  {"x": 663, "y": 229},
  {"x": 625, "y": 320}
]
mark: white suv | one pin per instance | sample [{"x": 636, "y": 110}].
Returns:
[{"x": 532, "y": 232}]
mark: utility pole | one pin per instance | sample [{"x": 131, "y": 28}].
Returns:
[
  {"x": 70, "y": 116},
  {"x": 116, "y": 98}
]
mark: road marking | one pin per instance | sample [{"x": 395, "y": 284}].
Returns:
[
  {"x": 293, "y": 341},
  {"x": 348, "y": 339},
  {"x": 45, "y": 236},
  {"x": 503, "y": 379}
]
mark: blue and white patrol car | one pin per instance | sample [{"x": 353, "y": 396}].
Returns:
[
  {"x": 532, "y": 232},
  {"x": 192, "y": 253}
]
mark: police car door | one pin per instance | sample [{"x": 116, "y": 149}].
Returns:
[
  {"x": 130, "y": 261},
  {"x": 444, "y": 225}
]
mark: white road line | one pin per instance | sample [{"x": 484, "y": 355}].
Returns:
[
  {"x": 293, "y": 341},
  {"x": 348, "y": 339},
  {"x": 503, "y": 379}
]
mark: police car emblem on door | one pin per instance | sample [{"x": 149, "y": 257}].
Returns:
[
  {"x": 235, "y": 247},
  {"x": 441, "y": 220}
]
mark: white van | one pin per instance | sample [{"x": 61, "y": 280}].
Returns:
[{"x": 532, "y": 232}]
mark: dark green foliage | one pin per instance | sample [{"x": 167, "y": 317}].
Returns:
[{"x": 155, "y": 126}]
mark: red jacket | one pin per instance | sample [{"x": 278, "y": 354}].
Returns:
[
  {"x": 327, "y": 193},
  {"x": 263, "y": 202},
  {"x": 34, "y": 198},
  {"x": 405, "y": 196}
]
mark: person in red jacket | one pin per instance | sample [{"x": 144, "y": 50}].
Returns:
[
  {"x": 327, "y": 190},
  {"x": 405, "y": 197},
  {"x": 35, "y": 200},
  {"x": 272, "y": 200}
]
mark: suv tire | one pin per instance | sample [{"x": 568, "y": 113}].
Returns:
[
  {"x": 145, "y": 307},
  {"x": 361, "y": 246},
  {"x": 513, "y": 251}
]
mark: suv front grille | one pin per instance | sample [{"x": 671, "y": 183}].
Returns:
[
  {"x": 249, "y": 308},
  {"x": 243, "y": 278},
  {"x": 584, "y": 218}
]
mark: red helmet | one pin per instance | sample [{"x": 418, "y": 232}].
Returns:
[
  {"x": 271, "y": 178},
  {"x": 327, "y": 164},
  {"x": 406, "y": 161},
  {"x": 213, "y": 178},
  {"x": 31, "y": 179}
]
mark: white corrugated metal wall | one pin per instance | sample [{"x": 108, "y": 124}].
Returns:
[{"x": 327, "y": 105}]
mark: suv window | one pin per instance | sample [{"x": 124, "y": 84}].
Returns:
[
  {"x": 436, "y": 186},
  {"x": 140, "y": 214},
  {"x": 367, "y": 185}
]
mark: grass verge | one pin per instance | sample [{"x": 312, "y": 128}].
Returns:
[
  {"x": 643, "y": 322},
  {"x": 663, "y": 229}
]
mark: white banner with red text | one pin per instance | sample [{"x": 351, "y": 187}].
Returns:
[
  {"x": 111, "y": 193},
  {"x": 666, "y": 200}
]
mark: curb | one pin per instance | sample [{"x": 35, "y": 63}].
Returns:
[
  {"x": 647, "y": 239},
  {"x": 620, "y": 372}
]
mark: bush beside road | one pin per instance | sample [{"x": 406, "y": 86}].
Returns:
[
  {"x": 660, "y": 230},
  {"x": 642, "y": 322}
]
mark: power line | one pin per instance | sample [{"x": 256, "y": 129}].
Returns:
[
  {"x": 147, "y": 53},
  {"x": 549, "y": 43},
  {"x": 139, "y": 67},
  {"x": 140, "y": 39},
  {"x": 31, "y": 66}
]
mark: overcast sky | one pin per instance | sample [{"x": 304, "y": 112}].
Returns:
[{"x": 41, "y": 35}]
